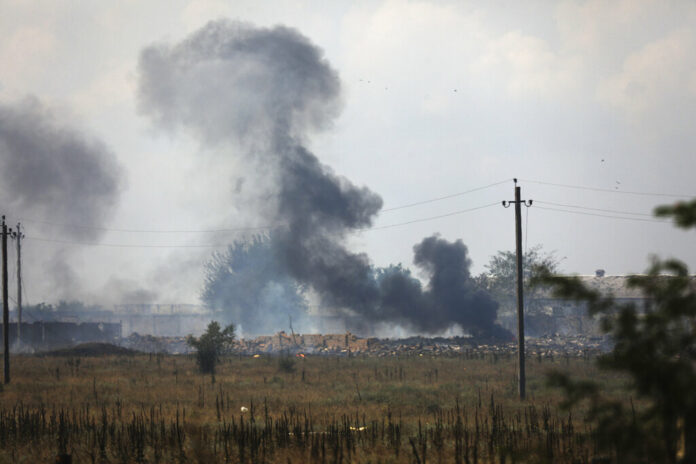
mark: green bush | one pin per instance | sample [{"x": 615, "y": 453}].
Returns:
[{"x": 211, "y": 345}]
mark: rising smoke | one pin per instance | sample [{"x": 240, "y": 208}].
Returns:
[
  {"x": 248, "y": 284},
  {"x": 58, "y": 175},
  {"x": 55, "y": 172},
  {"x": 260, "y": 94}
]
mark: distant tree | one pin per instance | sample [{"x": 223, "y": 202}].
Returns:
[
  {"x": 248, "y": 285},
  {"x": 209, "y": 346},
  {"x": 655, "y": 345},
  {"x": 500, "y": 278}
]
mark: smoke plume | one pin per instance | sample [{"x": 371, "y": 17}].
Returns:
[
  {"x": 53, "y": 173},
  {"x": 262, "y": 93},
  {"x": 247, "y": 282}
]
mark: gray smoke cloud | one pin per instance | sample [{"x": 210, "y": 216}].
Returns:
[
  {"x": 263, "y": 92},
  {"x": 266, "y": 87},
  {"x": 57, "y": 175},
  {"x": 53, "y": 172}
]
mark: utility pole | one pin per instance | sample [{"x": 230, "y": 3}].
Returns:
[
  {"x": 5, "y": 305},
  {"x": 520, "y": 286},
  {"x": 19, "y": 236}
]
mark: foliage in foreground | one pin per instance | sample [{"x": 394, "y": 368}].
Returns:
[{"x": 655, "y": 344}]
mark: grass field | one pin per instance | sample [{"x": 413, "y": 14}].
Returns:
[{"x": 158, "y": 408}]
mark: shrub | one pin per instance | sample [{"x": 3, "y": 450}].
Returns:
[{"x": 211, "y": 345}]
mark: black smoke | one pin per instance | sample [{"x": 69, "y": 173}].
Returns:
[{"x": 261, "y": 93}]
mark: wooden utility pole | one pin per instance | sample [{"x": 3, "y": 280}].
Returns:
[
  {"x": 520, "y": 287},
  {"x": 5, "y": 305},
  {"x": 18, "y": 235}
]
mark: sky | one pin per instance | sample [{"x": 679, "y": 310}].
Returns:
[{"x": 437, "y": 98}]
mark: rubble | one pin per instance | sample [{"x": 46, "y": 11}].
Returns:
[{"x": 349, "y": 344}]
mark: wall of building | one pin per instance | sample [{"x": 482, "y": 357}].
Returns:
[{"x": 50, "y": 335}]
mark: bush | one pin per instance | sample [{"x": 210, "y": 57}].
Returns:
[{"x": 211, "y": 345}]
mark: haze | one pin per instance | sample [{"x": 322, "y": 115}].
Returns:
[{"x": 435, "y": 98}]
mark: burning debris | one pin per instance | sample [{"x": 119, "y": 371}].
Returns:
[{"x": 259, "y": 94}]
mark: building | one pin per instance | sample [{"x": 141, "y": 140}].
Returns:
[{"x": 546, "y": 314}]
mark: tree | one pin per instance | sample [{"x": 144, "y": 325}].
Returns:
[
  {"x": 655, "y": 345},
  {"x": 500, "y": 280},
  {"x": 209, "y": 346},
  {"x": 248, "y": 285}
]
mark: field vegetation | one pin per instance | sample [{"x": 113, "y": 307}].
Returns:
[{"x": 160, "y": 408}]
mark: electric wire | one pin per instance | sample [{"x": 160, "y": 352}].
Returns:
[
  {"x": 124, "y": 245},
  {"x": 453, "y": 213},
  {"x": 593, "y": 209},
  {"x": 647, "y": 218},
  {"x": 446, "y": 197},
  {"x": 604, "y": 215},
  {"x": 154, "y": 231},
  {"x": 606, "y": 190},
  {"x": 121, "y": 245},
  {"x": 243, "y": 229}
]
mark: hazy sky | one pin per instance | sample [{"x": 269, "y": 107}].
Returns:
[{"x": 438, "y": 98}]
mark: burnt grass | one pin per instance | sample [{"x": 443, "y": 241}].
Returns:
[{"x": 411, "y": 409}]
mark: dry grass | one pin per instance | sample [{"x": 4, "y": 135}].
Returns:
[{"x": 158, "y": 408}]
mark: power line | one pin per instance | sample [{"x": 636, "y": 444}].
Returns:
[
  {"x": 409, "y": 205},
  {"x": 599, "y": 189},
  {"x": 430, "y": 218},
  {"x": 454, "y": 213},
  {"x": 123, "y": 245},
  {"x": 603, "y": 215},
  {"x": 453, "y": 195},
  {"x": 242, "y": 229},
  {"x": 155, "y": 231},
  {"x": 594, "y": 209}
]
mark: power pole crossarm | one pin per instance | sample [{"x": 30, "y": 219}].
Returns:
[{"x": 520, "y": 286}]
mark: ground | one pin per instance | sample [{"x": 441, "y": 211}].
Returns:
[{"x": 158, "y": 408}]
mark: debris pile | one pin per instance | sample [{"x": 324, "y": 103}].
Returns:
[
  {"x": 349, "y": 344},
  {"x": 306, "y": 343}
]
